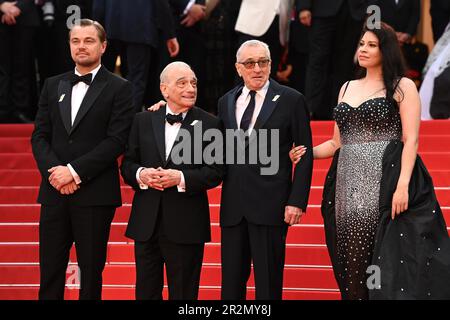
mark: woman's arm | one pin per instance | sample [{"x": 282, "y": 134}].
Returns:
[{"x": 409, "y": 104}]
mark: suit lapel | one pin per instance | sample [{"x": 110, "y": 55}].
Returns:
[
  {"x": 270, "y": 102},
  {"x": 65, "y": 103},
  {"x": 186, "y": 125},
  {"x": 269, "y": 105},
  {"x": 159, "y": 130},
  {"x": 96, "y": 87},
  {"x": 231, "y": 104}
]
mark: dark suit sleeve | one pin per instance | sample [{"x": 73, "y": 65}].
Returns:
[
  {"x": 207, "y": 176},
  {"x": 131, "y": 160},
  {"x": 303, "y": 5},
  {"x": 165, "y": 20},
  {"x": 301, "y": 132},
  {"x": 105, "y": 154},
  {"x": 41, "y": 137},
  {"x": 414, "y": 18}
]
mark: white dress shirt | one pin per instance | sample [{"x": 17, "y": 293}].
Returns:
[
  {"x": 244, "y": 99},
  {"x": 171, "y": 132},
  {"x": 78, "y": 92}
]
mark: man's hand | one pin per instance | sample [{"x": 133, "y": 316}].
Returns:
[
  {"x": 170, "y": 178},
  {"x": 69, "y": 188},
  {"x": 10, "y": 12},
  {"x": 151, "y": 178},
  {"x": 173, "y": 47},
  {"x": 403, "y": 38},
  {"x": 195, "y": 14},
  {"x": 157, "y": 106},
  {"x": 292, "y": 215},
  {"x": 305, "y": 18},
  {"x": 59, "y": 177}
]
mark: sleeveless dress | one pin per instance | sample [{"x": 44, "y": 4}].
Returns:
[{"x": 365, "y": 132}]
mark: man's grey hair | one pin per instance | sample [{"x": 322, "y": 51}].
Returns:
[
  {"x": 252, "y": 43},
  {"x": 164, "y": 74}
]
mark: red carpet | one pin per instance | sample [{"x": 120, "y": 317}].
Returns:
[{"x": 308, "y": 273}]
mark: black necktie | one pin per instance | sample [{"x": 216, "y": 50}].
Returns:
[
  {"x": 174, "y": 118},
  {"x": 248, "y": 113},
  {"x": 87, "y": 78}
]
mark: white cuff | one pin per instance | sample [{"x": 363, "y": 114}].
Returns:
[
  {"x": 74, "y": 174},
  {"x": 142, "y": 185},
  {"x": 182, "y": 185},
  {"x": 188, "y": 7}
]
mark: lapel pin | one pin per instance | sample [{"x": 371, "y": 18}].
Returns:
[
  {"x": 275, "y": 98},
  {"x": 62, "y": 97},
  {"x": 194, "y": 122}
]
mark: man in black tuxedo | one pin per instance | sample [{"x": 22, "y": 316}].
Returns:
[
  {"x": 81, "y": 128},
  {"x": 169, "y": 219},
  {"x": 335, "y": 30},
  {"x": 256, "y": 209}
]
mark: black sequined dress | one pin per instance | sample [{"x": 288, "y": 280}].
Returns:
[{"x": 365, "y": 132}]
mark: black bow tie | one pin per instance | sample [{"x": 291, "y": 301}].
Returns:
[
  {"x": 87, "y": 78},
  {"x": 174, "y": 118}
]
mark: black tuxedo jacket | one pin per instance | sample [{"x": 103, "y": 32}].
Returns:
[
  {"x": 261, "y": 199},
  {"x": 94, "y": 142},
  {"x": 185, "y": 215},
  {"x": 327, "y": 8}
]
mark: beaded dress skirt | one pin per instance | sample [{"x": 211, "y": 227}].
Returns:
[{"x": 365, "y": 132}]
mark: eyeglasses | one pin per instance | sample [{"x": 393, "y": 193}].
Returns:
[{"x": 251, "y": 64}]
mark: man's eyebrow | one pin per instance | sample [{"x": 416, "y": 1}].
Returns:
[{"x": 184, "y": 78}]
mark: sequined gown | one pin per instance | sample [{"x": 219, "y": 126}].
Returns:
[{"x": 365, "y": 130}]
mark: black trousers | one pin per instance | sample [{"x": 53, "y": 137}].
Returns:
[
  {"x": 333, "y": 43},
  {"x": 16, "y": 43},
  {"x": 183, "y": 267},
  {"x": 265, "y": 245},
  {"x": 59, "y": 227}
]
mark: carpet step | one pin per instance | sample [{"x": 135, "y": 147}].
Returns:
[
  {"x": 298, "y": 234},
  {"x": 119, "y": 275},
  {"x": 427, "y": 143},
  {"x": 433, "y": 161},
  {"x": 120, "y": 293},
  {"x": 27, "y": 213},
  {"x": 32, "y": 177},
  {"x": 124, "y": 253},
  {"x": 28, "y": 195}
]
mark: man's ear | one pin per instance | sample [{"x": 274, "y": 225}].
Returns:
[
  {"x": 237, "y": 69},
  {"x": 163, "y": 89}
]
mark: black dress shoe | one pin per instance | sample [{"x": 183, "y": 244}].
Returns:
[{"x": 22, "y": 118}]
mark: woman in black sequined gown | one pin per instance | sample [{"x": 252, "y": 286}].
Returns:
[{"x": 378, "y": 107}]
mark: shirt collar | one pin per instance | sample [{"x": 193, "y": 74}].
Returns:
[
  {"x": 262, "y": 92},
  {"x": 169, "y": 110},
  {"x": 94, "y": 72}
]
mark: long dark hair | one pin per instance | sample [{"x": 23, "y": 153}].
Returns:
[{"x": 393, "y": 63}]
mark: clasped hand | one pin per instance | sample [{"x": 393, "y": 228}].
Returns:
[
  {"x": 160, "y": 178},
  {"x": 62, "y": 180}
]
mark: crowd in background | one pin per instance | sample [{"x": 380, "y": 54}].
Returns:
[{"x": 312, "y": 44}]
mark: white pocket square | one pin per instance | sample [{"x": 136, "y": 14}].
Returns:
[
  {"x": 62, "y": 97},
  {"x": 276, "y": 97},
  {"x": 194, "y": 122}
]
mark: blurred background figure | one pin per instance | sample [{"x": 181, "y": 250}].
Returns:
[
  {"x": 335, "y": 30},
  {"x": 133, "y": 29},
  {"x": 435, "y": 93},
  {"x": 440, "y": 17},
  {"x": 19, "y": 22}
]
